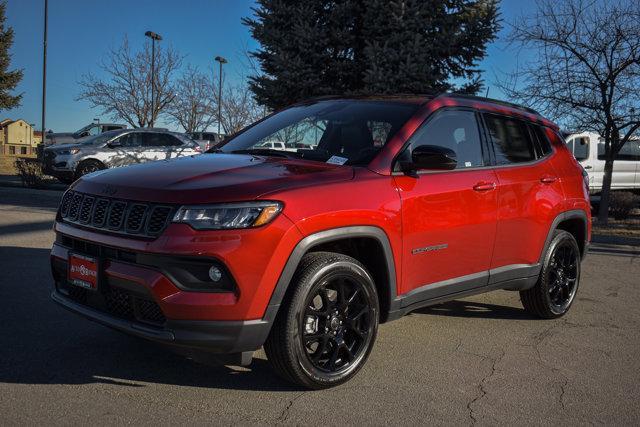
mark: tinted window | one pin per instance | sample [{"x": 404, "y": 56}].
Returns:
[
  {"x": 456, "y": 130},
  {"x": 511, "y": 140},
  {"x": 353, "y": 130},
  {"x": 629, "y": 151},
  {"x": 581, "y": 148},
  {"x": 541, "y": 137},
  {"x": 133, "y": 139},
  {"x": 160, "y": 140}
]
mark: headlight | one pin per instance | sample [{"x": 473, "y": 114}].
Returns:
[
  {"x": 67, "y": 152},
  {"x": 228, "y": 215}
]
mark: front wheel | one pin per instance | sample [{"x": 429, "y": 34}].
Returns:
[
  {"x": 88, "y": 166},
  {"x": 557, "y": 285},
  {"x": 327, "y": 324}
]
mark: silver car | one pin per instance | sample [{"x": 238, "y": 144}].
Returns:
[{"x": 115, "y": 148}]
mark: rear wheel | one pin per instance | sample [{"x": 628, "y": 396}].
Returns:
[
  {"x": 88, "y": 166},
  {"x": 557, "y": 286},
  {"x": 327, "y": 324}
]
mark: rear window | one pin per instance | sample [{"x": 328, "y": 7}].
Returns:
[{"x": 511, "y": 140}]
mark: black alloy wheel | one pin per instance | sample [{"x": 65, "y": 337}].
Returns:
[
  {"x": 327, "y": 323},
  {"x": 336, "y": 324},
  {"x": 557, "y": 285},
  {"x": 563, "y": 271}
]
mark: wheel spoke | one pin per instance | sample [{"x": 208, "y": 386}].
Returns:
[
  {"x": 322, "y": 347},
  {"x": 356, "y": 316},
  {"x": 334, "y": 357},
  {"x": 341, "y": 300},
  {"x": 311, "y": 338}
]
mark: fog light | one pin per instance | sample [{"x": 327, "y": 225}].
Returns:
[{"x": 215, "y": 274}]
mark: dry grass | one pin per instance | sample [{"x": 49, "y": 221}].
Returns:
[{"x": 627, "y": 227}]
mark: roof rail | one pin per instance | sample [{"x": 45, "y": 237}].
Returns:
[{"x": 493, "y": 101}]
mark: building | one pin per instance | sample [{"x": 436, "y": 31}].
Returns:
[{"x": 17, "y": 138}]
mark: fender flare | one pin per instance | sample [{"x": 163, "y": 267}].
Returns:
[
  {"x": 563, "y": 216},
  {"x": 325, "y": 236}
]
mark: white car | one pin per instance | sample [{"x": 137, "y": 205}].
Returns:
[
  {"x": 115, "y": 148},
  {"x": 588, "y": 149}
]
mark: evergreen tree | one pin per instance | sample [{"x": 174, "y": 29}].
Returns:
[
  {"x": 322, "y": 47},
  {"x": 8, "y": 79}
]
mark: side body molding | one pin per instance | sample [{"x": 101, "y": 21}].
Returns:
[{"x": 327, "y": 236}]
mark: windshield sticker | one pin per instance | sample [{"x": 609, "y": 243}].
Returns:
[{"x": 337, "y": 160}]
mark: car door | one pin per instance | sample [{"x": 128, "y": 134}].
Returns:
[
  {"x": 156, "y": 146},
  {"x": 448, "y": 217},
  {"x": 624, "y": 165},
  {"x": 528, "y": 193},
  {"x": 124, "y": 150}
]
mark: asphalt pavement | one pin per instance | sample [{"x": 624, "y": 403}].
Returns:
[{"x": 479, "y": 360}]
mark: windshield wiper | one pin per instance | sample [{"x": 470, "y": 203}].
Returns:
[{"x": 265, "y": 152}]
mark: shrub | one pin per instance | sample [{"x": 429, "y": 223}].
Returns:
[
  {"x": 621, "y": 203},
  {"x": 30, "y": 172}
]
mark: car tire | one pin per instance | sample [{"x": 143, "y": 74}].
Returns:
[
  {"x": 88, "y": 166},
  {"x": 327, "y": 324},
  {"x": 557, "y": 286}
]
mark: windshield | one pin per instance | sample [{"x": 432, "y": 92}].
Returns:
[
  {"x": 340, "y": 131},
  {"x": 103, "y": 138}
]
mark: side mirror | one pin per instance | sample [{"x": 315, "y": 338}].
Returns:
[{"x": 430, "y": 157}]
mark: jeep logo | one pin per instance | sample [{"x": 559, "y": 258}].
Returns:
[{"x": 109, "y": 190}]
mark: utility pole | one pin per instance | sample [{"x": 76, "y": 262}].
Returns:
[
  {"x": 221, "y": 60},
  {"x": 44, "y": 70},
  {"x": 153, "y": 36}
]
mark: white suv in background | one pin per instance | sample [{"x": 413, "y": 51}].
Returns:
[
  {"x": 588, "y": 149},
  {"x": 115, "y": 148}
]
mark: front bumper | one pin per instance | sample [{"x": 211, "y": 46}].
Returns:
[{"x": 237, "y": 339}]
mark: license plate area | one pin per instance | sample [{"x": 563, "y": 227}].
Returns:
[{"x": 83, "y": 271}]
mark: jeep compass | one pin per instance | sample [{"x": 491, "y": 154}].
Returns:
[{"x": 308, "y": 229}]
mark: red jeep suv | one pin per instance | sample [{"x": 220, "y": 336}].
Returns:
[{"x": 309, "y": 228}]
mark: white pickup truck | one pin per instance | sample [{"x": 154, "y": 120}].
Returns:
[{"x": 588, "y": 149}]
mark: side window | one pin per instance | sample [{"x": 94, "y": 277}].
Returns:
[
  {"x": 456, "y": 130},
  {"x": 511, "y": 140},
  {"x": 543, "y": 141},
  {"x": 153, "y": 139},
  {"x": 133, "y": 139},
  {"x": 629, "y": 151},
  {"x": 173, "y": 141},
  {"x": 581, "y": 148},
  {"x": 95, "y": 130},
  {"x": 570, "y": 145}
]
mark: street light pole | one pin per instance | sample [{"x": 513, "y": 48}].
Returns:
[
  {"x": 221, "y": 60},
  {"x": 153, "y": 36},
  {"x": 44, "y": 70}
]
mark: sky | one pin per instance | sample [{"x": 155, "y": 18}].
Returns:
[{"x": 81, "y": 31}]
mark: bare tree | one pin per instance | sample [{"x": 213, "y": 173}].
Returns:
[
  {"x": 239, "y": 108},
  {"x": 125, "y": 91},
  {"x": 586, "y": 72},
  {"x": 193, "y": 107}
]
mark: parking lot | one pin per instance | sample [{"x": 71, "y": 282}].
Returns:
[{"x": 480, "y": 360}]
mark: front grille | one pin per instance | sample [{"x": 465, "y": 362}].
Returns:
[
  {"x": 113, "y": 215},
  {"x": 119, "y": 303}
]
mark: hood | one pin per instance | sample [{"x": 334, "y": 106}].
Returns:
[
  {"x": 210, "y": 178},
  {"x": 58, "y": 147}
]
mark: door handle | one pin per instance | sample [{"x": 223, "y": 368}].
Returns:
[
  {"x": 548, "y": 179},
  {"x": 484, "y": 186},
  {"x": 588, "y": 167}
]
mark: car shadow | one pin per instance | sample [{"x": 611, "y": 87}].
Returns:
[
  {"x": 44, "y": 344},
  {"x": 472, "y": 309}
]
